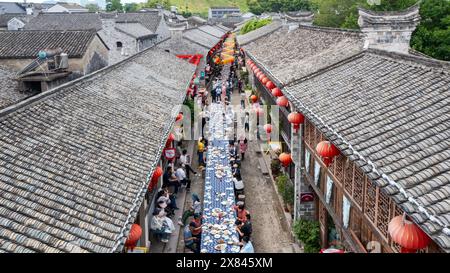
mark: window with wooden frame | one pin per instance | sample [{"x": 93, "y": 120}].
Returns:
[
  {"x": 348, "y": 178},
  {"x": 370, "y": 204},
  {"x": 384, "y": 213},
  {"x": 337, "y": 201},
  {"x": 339, "y": 168},
  {"x": 358, "y": 186}
]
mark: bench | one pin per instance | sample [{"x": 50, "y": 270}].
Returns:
[{"x": 263, "y": 166}]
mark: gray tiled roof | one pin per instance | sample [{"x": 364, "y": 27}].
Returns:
[
  {"x": 292, "y": 55},
  {"x": 65, "y": 21},
  {"x": 27, "y": 44},
  {"x": 214, "y": 31},
  {"x": 9, "y": 93},
  {"x": 202, "y": 38},
  {"x": 391, "y": 115},
  {"x": 150, "y": 20},
  {"x": 181, "y": 46},
  {"x": 75, "y": 160},
  {"x": 9, "y": 7},
  {"x": 254, "y": 35},
  {"x": 136, "y": 30}
]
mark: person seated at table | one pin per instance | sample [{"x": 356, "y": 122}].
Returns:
[
  {"x": 232, "y": 150},
  {"x": 237, "y": 172},
  {"x": 241, "y": 213},
  {"x": 196, "y": 208},
  {"x": 197, "y": 231},
  {"x": 247, "y": 246},
  {"x": 190, "y": 241},
  {"x": 161, "y": 226},
  {"x": 243, "y": 229},
  {"x": 238, "y": 186}
]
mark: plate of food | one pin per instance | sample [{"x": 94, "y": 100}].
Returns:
[
  {"x": 217, "y": 236},
  {"x": 204, "y": 250},
  {"x": 220, "y": 247}
]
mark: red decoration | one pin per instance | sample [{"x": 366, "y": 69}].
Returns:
[
  {"x": 282, "y": 101},
  {"x": 285, "y": 159},
  {"x": 327, "y": 151},
  {"x": 270, "y": 85},
  {"x": 169, "y": 140},
  {"x": 254, "y": 98},
  {"x": 179, "y": 117},
  {"x": 296, "y": 119},
  {"x": 261, "y": 76},
  {"x": 264, "y": 80},
  {"x": 306, "y": 197},
  {"x": 407, "y": 234},
  {"x": 259, "y": 111},
  {"x": 268, "y": 128},
  {"x": 169, "y": 153},
  {"x": 134, "y": 236},
  {"x": 277, "y": 92},
  {"x": 156, "y": 175}
]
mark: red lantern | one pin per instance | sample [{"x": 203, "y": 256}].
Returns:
[
  {"x": 296, "y": 119},
  {"x": 268, "y": 128},
  {"x": 261, "y": 76},
  {"x": 285, "y": 159},
  {"x": 259, "y": 111},
  {"x": 264, "y": 80},
  {"x": 254, "y": 98},
  {"x": 277, "y": 92},
  {"x": 134, "y": 236},
  {"x": 169, "y": 140},
  {"x": 156, "y": 175},
  {"x": 407, "y": 234},
  {"x": 282, "y": 101},
  {"x": 270, "y": 85},
  {"x": 327, "y": 151},
  {"x": 179, "y": 117}
]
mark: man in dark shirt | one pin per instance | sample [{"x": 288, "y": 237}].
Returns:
[
  {"x": 166, "y": 176},
  {"x": 243, "y": 229}
]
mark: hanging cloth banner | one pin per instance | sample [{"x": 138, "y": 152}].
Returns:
[
  {"x": 329, "y": 189},
  {"x": 169, "y": 153},
  {"x": 316, "y": 173},
  {"x": 346, "y": 211},
  {"x": 307, "y": 160}
]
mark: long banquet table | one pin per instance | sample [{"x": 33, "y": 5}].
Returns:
[{"x": 219, "y": 230}]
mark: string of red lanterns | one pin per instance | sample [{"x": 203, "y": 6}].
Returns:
[{"x": 179, "y": 117}]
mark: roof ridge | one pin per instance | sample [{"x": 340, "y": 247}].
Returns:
[
  {"x": 354, "y": 32},
  {"x": 424, "y": 62}
]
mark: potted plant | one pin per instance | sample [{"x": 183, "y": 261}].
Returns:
[
  {"x": 275, "y": 167},
  {"x": 308, "y": 232}
]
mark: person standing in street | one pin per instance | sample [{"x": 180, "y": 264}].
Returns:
[
  {"x": 186, "y": 163},
  {"x": 243, "y": 145}
]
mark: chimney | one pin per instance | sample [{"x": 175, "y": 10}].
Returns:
[{"x": 389, "y": 31}]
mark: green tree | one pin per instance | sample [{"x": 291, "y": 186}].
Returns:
[
  {"x": 260, "y": 6},
  {"x": 92, "y": 7},
  {"x": 432, "y": 36},
  {"x": 131, "y": 7},
  {"x": 114, "y": 5},
  {"x": 154, "y": 3}
]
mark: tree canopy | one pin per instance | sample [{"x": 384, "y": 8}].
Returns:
[
  {"x": 114, "y": 5},
  {"x": 260, "y": 6},
  {"x": 254, "y": 24}
]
